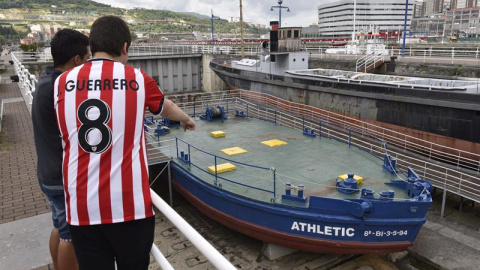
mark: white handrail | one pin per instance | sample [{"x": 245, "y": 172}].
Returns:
[
  {"x": 161, "y": 260},
  {"x": 215, "y": 257}
]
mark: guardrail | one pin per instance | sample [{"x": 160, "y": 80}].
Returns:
[
  {"x": 452, "y": 169},
  {"x": 215, "y": 257},
  {"x": 27, "y": 82},
  {"x": 364, "y": 62},
  {"x": 158, "y": 50},
  {"x": 454, "y": 55},
  {"x": 367, "y": 137},
  {"x": 201, "y": 158},
  {"x": 456, "y": 157}
]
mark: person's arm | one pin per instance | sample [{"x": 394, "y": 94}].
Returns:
[
  {"x": 157, "y": 103},
  {"x": 173, "y": 112}
]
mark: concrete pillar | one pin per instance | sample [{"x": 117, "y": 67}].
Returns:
[{"x": 210, "y": 81}]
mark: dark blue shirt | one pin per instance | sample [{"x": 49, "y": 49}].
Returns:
[{"x": 47, "y": 136}]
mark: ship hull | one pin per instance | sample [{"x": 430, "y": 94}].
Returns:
[
  {"x": 339, "y": 228},
  {"x": 448, "y": 114}
]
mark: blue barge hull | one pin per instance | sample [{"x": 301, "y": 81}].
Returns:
[{"x": 326, "y": 225}]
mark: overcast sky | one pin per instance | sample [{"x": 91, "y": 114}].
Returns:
[{"x": 303, "y": 12}]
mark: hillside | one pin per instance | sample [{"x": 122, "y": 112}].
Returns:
[
  {"x": 46, "y": 4},
  {"x": 141, "y": 20}
]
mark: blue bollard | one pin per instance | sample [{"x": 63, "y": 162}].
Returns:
[{"x": 301, "y": 187}]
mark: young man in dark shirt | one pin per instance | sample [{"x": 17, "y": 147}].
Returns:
[{"x": 69, "y": 48}]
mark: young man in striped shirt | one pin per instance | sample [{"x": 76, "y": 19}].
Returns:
[{"x": 100, "y": 108}]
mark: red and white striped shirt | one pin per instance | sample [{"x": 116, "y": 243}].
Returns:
[{"x": 100, "y": 108}]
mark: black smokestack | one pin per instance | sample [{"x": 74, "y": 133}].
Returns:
[{"x": 273, "y": 38}]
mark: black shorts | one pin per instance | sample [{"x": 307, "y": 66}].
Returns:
[{"x": 127, "y": 243}]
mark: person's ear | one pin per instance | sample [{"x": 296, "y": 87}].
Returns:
[
  {"x": 125, "y": 49},
  {"x": 77, "y": 60}
]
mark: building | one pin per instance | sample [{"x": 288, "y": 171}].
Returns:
[
  {"x": 336, "y": 19},
  {"x": 419, "y": 9},
  {"x": 463, "y": 22},
  {"x": 233, "y": 19},
  {"x": 433, "y": 26}
]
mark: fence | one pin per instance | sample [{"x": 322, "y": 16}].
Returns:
[
  {"x": 27, "y": 82},
  {"x": 448, "y": 168}
]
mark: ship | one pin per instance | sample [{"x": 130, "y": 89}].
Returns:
[
  {"x": 440, "y": 111},
  {"x": 288, "y": 181}
]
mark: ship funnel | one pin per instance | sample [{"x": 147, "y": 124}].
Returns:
[{"x": 273, "y": 38}]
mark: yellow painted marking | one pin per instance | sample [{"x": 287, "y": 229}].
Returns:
[
  {"x": 225, "y": 167},
  {"x": 218, "y": 134},
  {"x": 233, "y": 151},
  {"x": 273, "y": 143}
]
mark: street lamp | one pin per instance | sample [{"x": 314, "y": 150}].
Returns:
[
  {"x": 213, "y": 18},
  {"x": 280, "y": 11}
]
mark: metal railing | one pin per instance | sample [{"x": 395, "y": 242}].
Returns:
[
  {"x": 201, "y": 160},
  {"x": 158, "y": 50},
  {"x": 456, "y": 157},
  {"x": 365, "y": 62},
  {"x": 438, "y": 170},
  {"x": 27, "y": 82},
  {"x": 454, "y": 170},
  {"x": 453, "y": 55},
  {"x": 215, "y": 257}
]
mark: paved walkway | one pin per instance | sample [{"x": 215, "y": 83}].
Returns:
[{"x": 20, "y": 195}]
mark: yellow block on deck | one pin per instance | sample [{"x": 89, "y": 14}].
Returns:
[
  {"x": 356, "y": 177},
  {"x": 233, "y": 151},
  {"x": 273, "y": 143},
  {"x": 225, "y": 167},
  {"x": 218, "y": 134}
]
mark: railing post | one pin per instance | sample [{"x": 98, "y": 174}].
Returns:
[
  {"x": 189, "y": 157},
  {"x": 274, "y": 183},
  {"x": 176, "y": 145},
  {"x": 216, "y": 174},
  {"x": 453, "y": 53},
  {"x": 349, "y": 138},
  {"x": 320, "y": 129}
]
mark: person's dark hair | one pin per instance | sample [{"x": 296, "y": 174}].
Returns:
[
  {"x": 108, "y": 34},
  {"x": 66, "y": 44}
]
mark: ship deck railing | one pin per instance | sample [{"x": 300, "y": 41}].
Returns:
[
  {"x": 450, "y": 169},
  {"x": 266, "y": 182}
]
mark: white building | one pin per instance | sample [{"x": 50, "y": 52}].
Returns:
[{"x": 336, "y": 19}]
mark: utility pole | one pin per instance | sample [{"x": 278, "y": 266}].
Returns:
[
  {"x": 213, "y": 37},
  {"x": 241, "y": 29},
  {"x": 405, "y": 29}
]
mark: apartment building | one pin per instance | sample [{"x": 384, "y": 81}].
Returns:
[{"x": 336, "y": 19}]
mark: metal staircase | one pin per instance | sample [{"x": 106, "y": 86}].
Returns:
[{"x": 369, "y": 62}]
